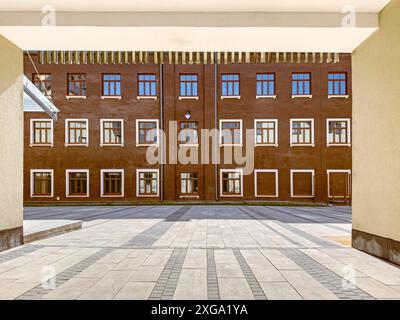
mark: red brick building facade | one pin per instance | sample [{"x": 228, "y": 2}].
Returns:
[{"x": 96, "y": 150}]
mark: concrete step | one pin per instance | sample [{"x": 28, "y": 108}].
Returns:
[{"x": 40, "y": 229}]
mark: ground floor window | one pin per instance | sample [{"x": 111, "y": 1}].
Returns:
[
  {"x": 302, "y": 183},
  {"x": 77, "y": 183},
  {"x": 231, "y": 182},
  {"x": 339, "y": 184},
  {"x": 147, "y": 183},
  {"x": 266, "y": 183},
  {"x": 112, "y": 183},
  {"x": 189, "y": 183},
  {"x": 41, "y": 183}
]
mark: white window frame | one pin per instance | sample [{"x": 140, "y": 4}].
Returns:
[
  {"x": 348, "y": 144},
  {"x": 348, "y": 171},
  {"x": 32, "y": 133},
  {"x": 221, "y": 171},
  {"x": 102, "y": 171},
  {"x": 240, "y": 144},
  {"x": 67, "y": 172},
  {"x": 102, "y": 144},
  {"x": 33, "y": 171},
  {"x": 276, "y": 144},
  {"x": 67, "y": 144},
  {"x": 276, "y": 172},
  {"x": 137, "y": 133},
  {"x": 312, "y": 171},
  {"x": 312, "y": 144},
  {"x": 138, "y": 171}
]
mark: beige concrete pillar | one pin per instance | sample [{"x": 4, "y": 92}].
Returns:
[
  {"x": 376, "y": 139},
  {"x": 11, "y": 145}
]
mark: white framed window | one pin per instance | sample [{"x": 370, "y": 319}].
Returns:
[
  {"x": 147, "y": 182},
  {"x": 338, "y": 132},
  {"x": 76, "y": 183},
  {"x": 77, "y": 132},
  {"x": 302, "y": 183},
  {"x": 231, "y": 182},
  {"x": 266, "y": 132},
  {"x": 41, "y": 132},
  {"x": 263, "y": 177},
  {"x": 340, "y": 180},
  {"x": 302, "y": 132},
  {"x": 147, "y": 132},
  {"x": 42, "y": 183},
  {"x": 230, "y": 132},
  {"x": 112, "y": 132},
  {"x": 112, "y": 182}
]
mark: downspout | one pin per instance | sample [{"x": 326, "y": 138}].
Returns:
[
  {"x": 161, "y": 149},
  {"x": 216, "y": 124}
]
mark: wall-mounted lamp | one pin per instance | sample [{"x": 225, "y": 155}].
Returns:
[{"x": 188, "y": 115}]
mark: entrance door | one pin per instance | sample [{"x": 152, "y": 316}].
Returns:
[{"x": 339, "y": 187}]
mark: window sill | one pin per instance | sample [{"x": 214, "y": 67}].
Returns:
[
  {"x": 266, "y": 97},
  {"x": 147, "y": 145},
  {"x": 75, "y": 97},
  {"x": 111, "y": 97},
  {"x": 112, "y": 196},
  {"x": 267, "y": 196},
  {"x": 76, "y": 145},
  {"x": 266, "y": 145},
  {"x": 338, "y": 145},
  {"x": 146, "y": 97},
  {"x": 189, "y": 197},
  {"x": 147, "y": 196},
  {"x": 41, "y": 145},
  {"x": 231, "y": 145},
  {"x": 188, "y": 98},
  {"x": 344, "y": 96},
  {"x": 33, "y": 196},
  {"x": 303, "y": 145},
  {"x": 309, "y": 197},
  {"x": 111, "y": 145},
  {"x": 188, "y": 145},
  {"x": 77, "y": 196},
  {"x": 230, "y": 97},
  {"x": 232, "y": 195},
  {"x": 299, "y": 96}
]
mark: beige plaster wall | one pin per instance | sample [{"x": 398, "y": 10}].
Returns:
[
  {"x": 11, "y": 135},
  {"x": 376, "y": 129}
]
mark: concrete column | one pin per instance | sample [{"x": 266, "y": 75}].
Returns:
[
  {"x": 11, "y": 145},
  {"x": 376, "y": 139}
]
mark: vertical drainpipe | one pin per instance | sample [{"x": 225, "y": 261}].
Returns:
[
  {"x": 216, "y": 122},
  {"x": 161, "y": 149}
]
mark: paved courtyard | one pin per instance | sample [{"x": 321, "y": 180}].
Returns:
[{"x": 196, "y": 252}]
